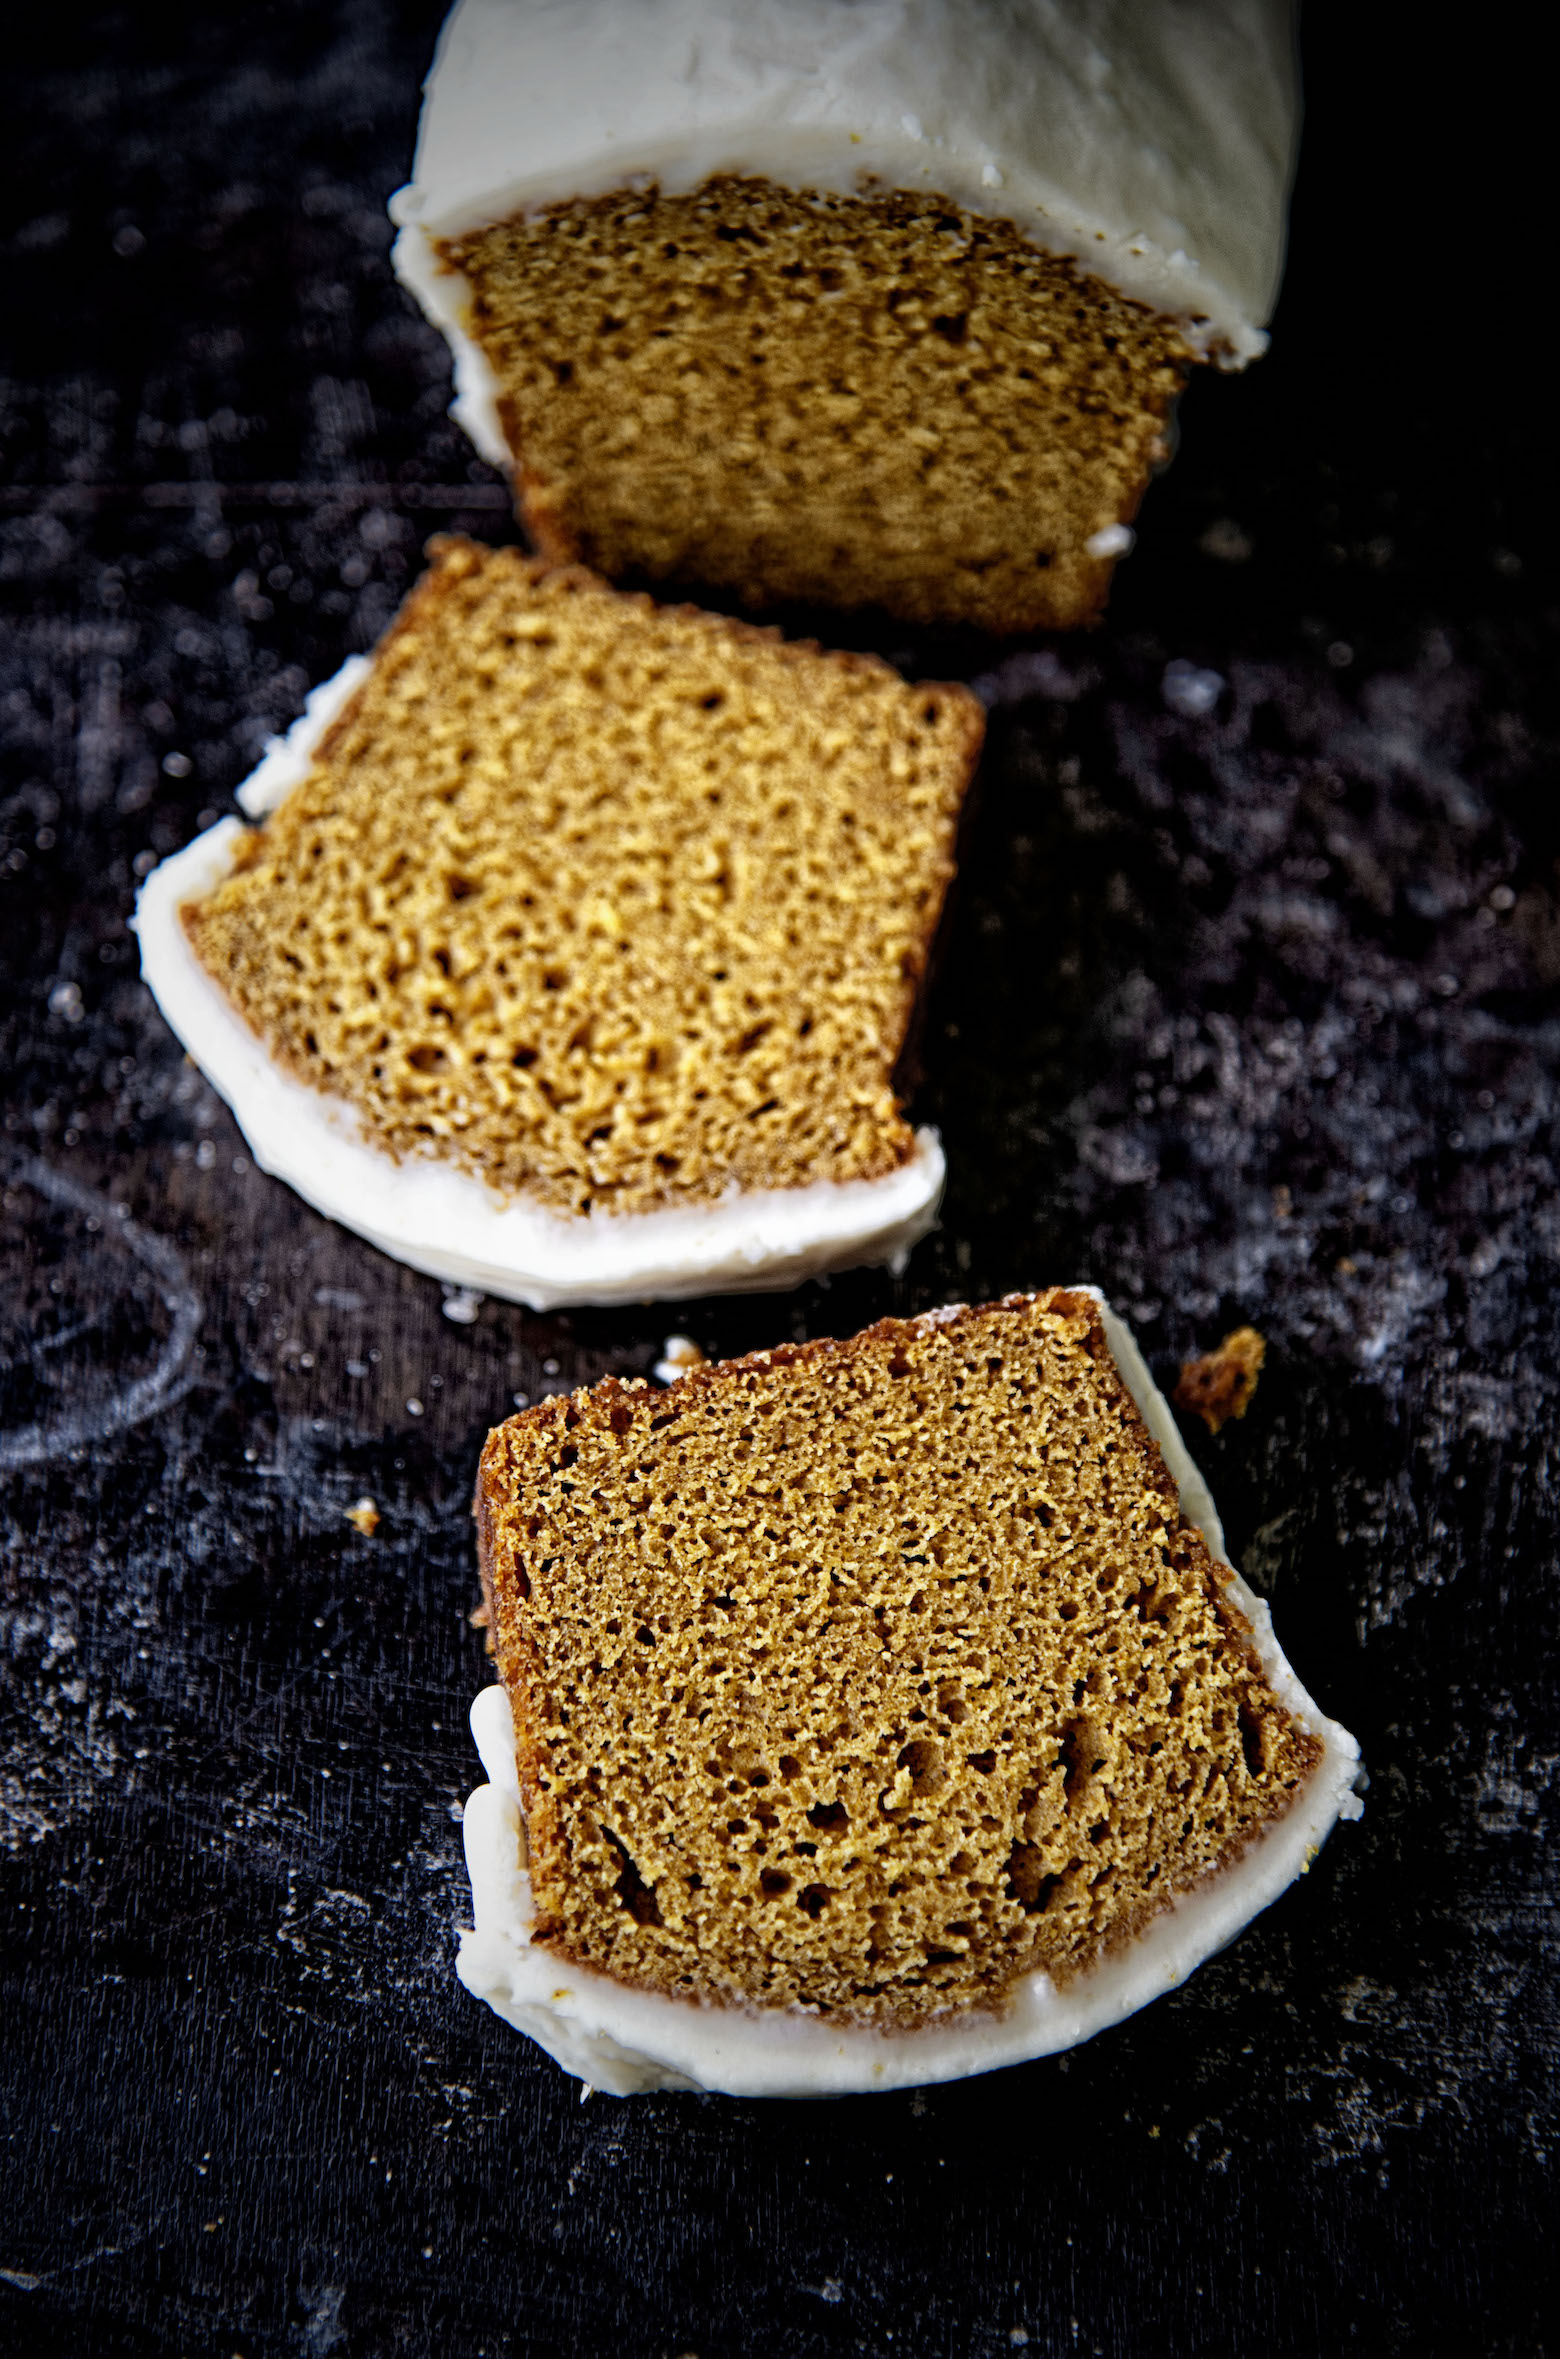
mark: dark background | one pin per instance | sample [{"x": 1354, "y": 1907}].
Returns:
[{"x": 1248, "y": 1016}]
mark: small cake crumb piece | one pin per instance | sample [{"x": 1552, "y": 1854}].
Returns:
[
  {"x": 481, "y": 1618},
  {"x": 365, "y": 1514},
  {"x": 679, "y": 1353},
  {"x": 1220, "y": 1384}
]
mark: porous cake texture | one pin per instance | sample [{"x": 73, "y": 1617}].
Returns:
[
  {"x": 875, "y": 399},
  {"x": 618, "y": 907},
  {"x": 869, "y": 1677}
]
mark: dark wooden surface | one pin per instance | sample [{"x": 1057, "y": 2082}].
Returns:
[{"x": 1251, "y": 1014}]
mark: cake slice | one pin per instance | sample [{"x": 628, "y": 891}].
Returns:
[
  {"x": 576, "y": 956},
  {"x": 845, "y": 300},
  {"x": 872, "y": 1712}
]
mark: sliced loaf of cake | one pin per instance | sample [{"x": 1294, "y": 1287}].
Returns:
[
  {"x": 881, "y": 1710},
  {"x": 579, "y": 958}
]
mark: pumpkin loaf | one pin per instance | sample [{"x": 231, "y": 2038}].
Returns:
[
  {"x": 615, "y": 913},
  {"x": 874, "y": 1679},
  {"x": 843, "y": 301}
]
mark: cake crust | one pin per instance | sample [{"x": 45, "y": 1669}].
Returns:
[{"x": 953, "y": 1715}]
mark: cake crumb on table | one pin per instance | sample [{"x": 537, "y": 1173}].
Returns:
[
  {"x": 481, "y": 1618},
  {"x": 1219, "y": 1385},
  {"x": 679, "y": 1353}
]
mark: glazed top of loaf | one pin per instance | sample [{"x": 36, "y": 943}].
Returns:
[{"x": 1153, "y": 139}]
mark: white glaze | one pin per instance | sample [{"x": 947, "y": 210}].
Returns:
[
  {"x": 626, "y": 2041},
  {"x": 286, "y": 760},
  {"x": 440, "y": 1219},
  {"x": 1152, "y": 139}
]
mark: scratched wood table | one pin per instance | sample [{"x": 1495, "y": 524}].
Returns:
[{"x": 1250, "y": 1012}]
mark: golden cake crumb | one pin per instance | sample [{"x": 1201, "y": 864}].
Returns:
[
  {"x": 873, "y": 400},
  {"x": 1219, "y": 1385},
  {"x": 869, "y": 1676},
  {"x": 617, "y": 905}
]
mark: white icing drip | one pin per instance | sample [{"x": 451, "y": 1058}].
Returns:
[
  {"x": 1150, "y": 139},
  {"x": 445, "y": 296},
  {"x": 625, "y": 2041},
  {"x": 285, "y": 763},
  {"x": 440, "y": 1219}
]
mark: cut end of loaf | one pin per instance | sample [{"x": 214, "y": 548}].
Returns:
[{"x": 870, "y": 400}]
